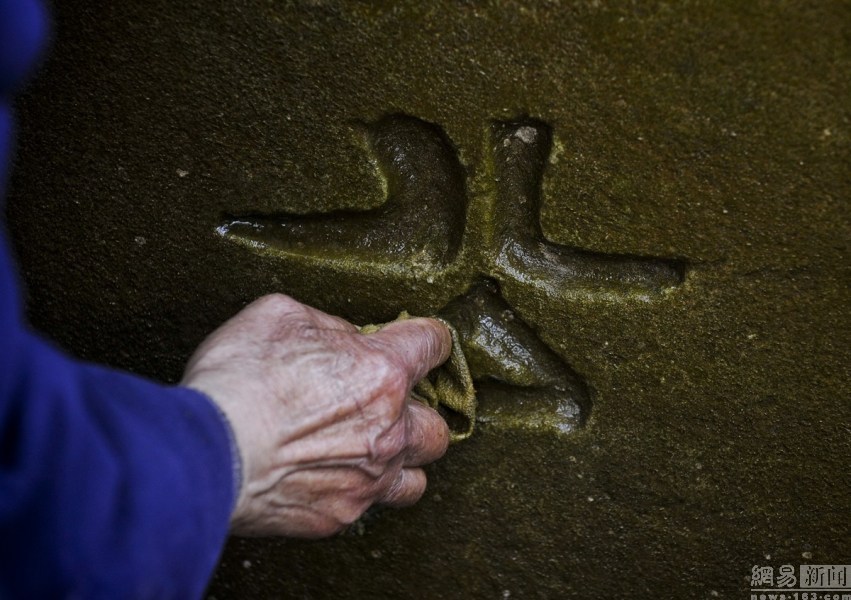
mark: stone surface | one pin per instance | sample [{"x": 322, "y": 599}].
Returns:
[{"x": 689, "y": 260}]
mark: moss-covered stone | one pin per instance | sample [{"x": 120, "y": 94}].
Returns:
[{"x": 712, "y": 137}]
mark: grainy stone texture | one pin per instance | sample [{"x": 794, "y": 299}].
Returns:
[{"x": 715, "y": 135}]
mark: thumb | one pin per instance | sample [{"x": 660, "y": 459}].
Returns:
[{"x": 421, "y": 344}]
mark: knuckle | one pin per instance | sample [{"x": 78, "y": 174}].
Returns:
[
  {"x": 407, "y": 489},
  {"x": 394, "y": 378},
  {"x": 387, "y": 375},
  {"x": 328, "y": 527},
  {"x": 388, "y": 445},
  {"x": 395, "y": 490},
  {"x": 349, "y": 512},
  {"x": 276, "y": 302}
]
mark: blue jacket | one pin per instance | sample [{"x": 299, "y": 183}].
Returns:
[{"x": 111, "y": 486}]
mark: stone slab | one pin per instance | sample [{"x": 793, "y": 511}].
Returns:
[{"x": 697, "y": 162}]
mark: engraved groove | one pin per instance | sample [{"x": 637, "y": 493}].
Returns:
[
  {"x": 418, "y": 233},
  {"x": 422, "y": 217},
  {"x": 520, "y": 152},
  {"x": 509, "y": 361}
]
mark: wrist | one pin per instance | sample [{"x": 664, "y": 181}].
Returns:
[{"x": 237, "y": 462}]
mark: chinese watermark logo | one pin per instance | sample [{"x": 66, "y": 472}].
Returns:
[{"x": 809, "y": 582}]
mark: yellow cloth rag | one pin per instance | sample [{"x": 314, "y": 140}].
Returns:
[{"x": 448, "y": 388}]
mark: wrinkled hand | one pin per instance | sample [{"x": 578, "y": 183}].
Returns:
[{"x": 321, "y": 413}]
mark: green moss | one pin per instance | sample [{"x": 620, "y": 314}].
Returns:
[{"x": 713, "y": 134}]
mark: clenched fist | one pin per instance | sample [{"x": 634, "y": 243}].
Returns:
[{"x": 321, "y": 413}]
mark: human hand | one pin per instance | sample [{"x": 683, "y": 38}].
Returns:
[{"x": 321, "y": 413}]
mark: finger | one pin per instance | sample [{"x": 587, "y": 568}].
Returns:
[
  {"x": 326, "y": 321},
  {"x": 428, "y": 435},
  {"x": 406, "y": 489},
  {"x": 421, "y": 344},
  {"x": 323, "y": 320},
  {"x": 281, "y": 308}
]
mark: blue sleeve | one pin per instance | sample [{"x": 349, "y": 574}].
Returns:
[{"x": 111, "y": 486}]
